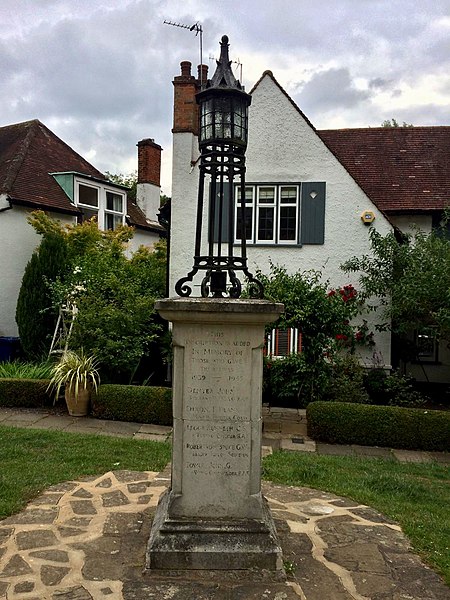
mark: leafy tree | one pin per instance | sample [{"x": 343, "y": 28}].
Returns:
[
  {"x": 114, "y": 295},
  {"x": 394, "y": 123},
  {"x": 130, "y": 181},
  {"x": 116, "y": 319},
  {"x": 411, "y": 279},
  {"x": 34, "y": 319}
]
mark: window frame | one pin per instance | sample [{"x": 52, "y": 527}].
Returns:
[
  {"x": 101, "y": 210},
  {"x": 249, "y": 204},
  {"x": 257, "y": 204},
  {"x": 296, "y": 204},
  {"x": 294, "y": 342},
  {"x": 431, "y": 357}
]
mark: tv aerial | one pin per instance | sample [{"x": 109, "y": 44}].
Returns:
[
  {"x": 198, "y": 32},
  {"x": 234, "y": 62}
]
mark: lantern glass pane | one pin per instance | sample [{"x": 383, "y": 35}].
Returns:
[
  {"x": 223, "y": 117},
  {"x": 218, "y": 125}
]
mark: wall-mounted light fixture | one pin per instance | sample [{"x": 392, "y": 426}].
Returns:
[{"x": 367, "y": 217}]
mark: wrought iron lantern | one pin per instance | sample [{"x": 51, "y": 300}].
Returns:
[{"x": 223, "y": 127}]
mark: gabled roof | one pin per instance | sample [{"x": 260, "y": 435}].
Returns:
[
  {"x": 29, "y": 152},
  {"x": 401, "y": 169},
  {"x": 283, "y": 91}
]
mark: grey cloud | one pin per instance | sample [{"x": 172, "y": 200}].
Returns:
[
  {"x": 106, "y": 68},
  {"x": 380, "y": 84},
  {"x": 99, "y": 73},
  {"x": 330, "y": 90},
  {"x": 426, "y": 114}
]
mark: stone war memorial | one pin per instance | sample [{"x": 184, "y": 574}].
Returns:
[{"x": 213, "y": 516}]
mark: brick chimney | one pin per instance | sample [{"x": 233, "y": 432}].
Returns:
[
  {"x": 149, "y": 173},
  {"x": 149, "y": 162},
  {"x": 185, "y": 109}
]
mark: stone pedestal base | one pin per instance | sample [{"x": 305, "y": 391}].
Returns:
[
  {"x": 214, "y": 516},
  {"x": 212, "y": 544}
]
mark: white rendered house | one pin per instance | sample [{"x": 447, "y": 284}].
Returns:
[
  {"x": 303, "y": 208},
  {"x": 40, "y": 171}
]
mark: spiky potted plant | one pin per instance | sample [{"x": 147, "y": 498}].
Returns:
[{"x": 78, "y": 373}]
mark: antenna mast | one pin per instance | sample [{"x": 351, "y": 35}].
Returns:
[
  {"x": 198, "y": 30},
  {"x": 235, "y": 62}
]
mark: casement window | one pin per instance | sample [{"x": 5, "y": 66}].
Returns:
[
  {"x": 427, "y": 345},
  {"x": 281, "y": 213},
  {"x": 283, "y": 342},
  {"x": 440, "y": 225},
  {"x": 107, "y": 205}
]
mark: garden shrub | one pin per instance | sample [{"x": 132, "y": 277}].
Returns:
[
  {"x": 374, "y": 382},
  {"x": 324, "y": 317},
  {"x": 140, "y": 404},
  {"x": 23, "y": 370},
  {"x": 293, "y": 381},
  {"x": 34, "y": 315},
  {"x": 392, "y": 390},
  {"x": 25, "y": 393},
  {"x": 390, "y": 426},
  {"x": 111, "y": 293},
  {"x": 347, "y": 381},
  {"x": 400, "y": 391}
]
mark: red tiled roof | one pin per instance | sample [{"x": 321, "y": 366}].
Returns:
[
  {"x": 138, "y": 219},
  {"x": 401, "y": 169},
  {"x": 29, "y": 152}
]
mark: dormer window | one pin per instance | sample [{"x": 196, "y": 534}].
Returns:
[{"x": 105, "y": 203}]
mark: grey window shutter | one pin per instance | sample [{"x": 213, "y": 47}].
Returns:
[
  {"x": 225, "y": 214},
  {"x": 312, "y": 230}
]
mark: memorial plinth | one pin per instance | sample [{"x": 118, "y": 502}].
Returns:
[{"x": 214, "y": 515}]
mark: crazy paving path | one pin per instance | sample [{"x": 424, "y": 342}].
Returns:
[{"x": 84, "y": 540}]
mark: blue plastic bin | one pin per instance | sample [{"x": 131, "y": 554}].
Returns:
[{"x": 9, "y": 348}]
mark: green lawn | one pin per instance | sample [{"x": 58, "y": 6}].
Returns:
[
  {"x": 417, "y": 496},
  {"x": 32, "y": 459}
]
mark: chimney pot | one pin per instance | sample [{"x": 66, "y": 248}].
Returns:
[
  {"x": 202, "y": 73},
  {"x": 185, "y": 68},
  {"x": 185, "y": 109}
]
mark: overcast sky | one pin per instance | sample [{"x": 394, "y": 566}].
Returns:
[{"x": 98, "y": 72}]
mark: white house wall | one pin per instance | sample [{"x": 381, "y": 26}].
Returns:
[
  {"x": 148, "y": 198},
  {"x": 282, "y": 148},
  {"x": 183, "y": 207},
  {"x": 142, "y": 238},
  {"x": 18, "y": 240},
  {"x": 409, "y": 223}
]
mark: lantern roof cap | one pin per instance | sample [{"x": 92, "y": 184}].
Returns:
[{"x": 223, "y": 76}]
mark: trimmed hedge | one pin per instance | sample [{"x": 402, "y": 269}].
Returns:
[
  {"x": 368, "y": 425},
  {"x": 26, "y": 393},
  {"x": 140, "y": 404}
]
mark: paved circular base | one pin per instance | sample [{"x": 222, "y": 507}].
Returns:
[{"x": 84, "y": 540}]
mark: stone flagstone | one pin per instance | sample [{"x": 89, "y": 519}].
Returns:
[{"x": 333, "y": 549}]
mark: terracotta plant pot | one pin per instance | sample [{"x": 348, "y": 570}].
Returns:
[{"x": 78, "y": 406}]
